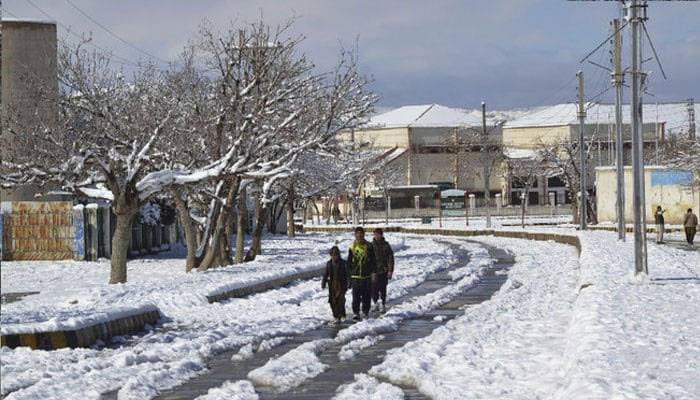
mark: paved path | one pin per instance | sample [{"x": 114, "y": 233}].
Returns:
[
  {"x": 683, "y": 245},
  {"x": 7, "y": 298},
  {"x": 222, "y": 369}
]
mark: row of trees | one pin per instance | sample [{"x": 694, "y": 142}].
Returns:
[{"x": 242, "y": 114}]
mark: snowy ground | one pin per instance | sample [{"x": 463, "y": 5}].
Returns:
[
  {"x": 194, "y": 330},
  {"x": 74, "y": 294},
  {"x": 562, "y": 327}
]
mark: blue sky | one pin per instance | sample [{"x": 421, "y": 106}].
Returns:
[{"x": 510, "y": 53}]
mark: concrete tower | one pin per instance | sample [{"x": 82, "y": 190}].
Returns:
[{"x": 28, "y": 84}]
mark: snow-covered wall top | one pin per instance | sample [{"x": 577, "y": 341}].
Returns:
[{"x": 674, "y": 115}]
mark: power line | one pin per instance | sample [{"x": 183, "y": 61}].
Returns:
[
  {"x": 119, "y": 59},
  {"x": 113, "y": 34}
]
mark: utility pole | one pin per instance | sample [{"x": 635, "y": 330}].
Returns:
[
  {"x": 691, "y": 118},
  {"x": 583, "y": 223},
  {"x": 618, "y": 80},
  {"x": 487, "y": 185},
  {"x": 636, "y": 14}
]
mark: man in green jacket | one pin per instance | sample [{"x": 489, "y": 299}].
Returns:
[
  {"x": 362, "y": 272},
  {"x": 385, "y": 268}
]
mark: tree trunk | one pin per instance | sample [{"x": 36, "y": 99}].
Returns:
[
  {"x": 190, "y": 238},
  {"x": 290, "y": 210},
  {"x": 241, "y": 224},
  {"x": 120, "y": 248},
  {"x": 125, "y": 208},
  {"x": 256, "y": 245},
  {"x": 217, "y": 253},
  {"x": 318, "y": 213}
]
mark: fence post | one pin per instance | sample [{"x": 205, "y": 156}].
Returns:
[
  {"x": 416, "y": 200},
  {"x": 91, "y": 232},
  {"x": 466, "y": 208},
  {"x": 388, "y": 206},
  {"x": 438, "y": 201},
  {"x": 2, "y": 235},
  {"x": 498, "y": 204},
  {"x": 78, "y": 233},
  {"x": 552, "y": 202}
]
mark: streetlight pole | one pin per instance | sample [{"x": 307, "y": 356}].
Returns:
[{"x": 640, "y": 247}]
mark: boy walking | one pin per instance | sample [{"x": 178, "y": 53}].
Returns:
[
  {"x": 659, "y": 219},
  {"x": 336, "y": 276},
  {"x": 362, "y": 272},
  {"x": 385, "y": 268},
  {"x": 690, "y": 223}
]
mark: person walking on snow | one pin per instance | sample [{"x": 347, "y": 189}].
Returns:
[
  {"x": 362, "y": 267},
  {"x": 659, "y": 219},
  {"x": 385, "y": 268},
  {"x": 336, "y": 276},
  {"x": 690, "y": 223}
]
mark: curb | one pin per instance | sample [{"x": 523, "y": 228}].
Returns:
[
  {"x": 540, "y": 236},
  {"x": 83, "y": 337},
  {"x": 267, "y": 285}
]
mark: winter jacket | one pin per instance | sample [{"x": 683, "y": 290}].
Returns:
[
  {"x": 338, "y": 271},
  {"x": 659, "y": 217},
  {"x": 384, "y": 256},
  {"x": 690, "y": 220},
  {"x": 361, "y": 260}
]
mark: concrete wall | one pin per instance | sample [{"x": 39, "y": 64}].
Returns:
[
  {"x": 439, "y": 167},
  {"x": 660, "y": 190},
  {"x": 383, "y": 138},
  {"x": 530, "y": 137}
]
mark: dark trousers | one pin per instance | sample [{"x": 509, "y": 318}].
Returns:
[
  {"x": 379, "y": 288},
  {"x": 690, "y": 234},
  {"x": 361, "y": 293}
]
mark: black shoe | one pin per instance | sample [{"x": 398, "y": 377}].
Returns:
[{"x": 356, "y": 317}]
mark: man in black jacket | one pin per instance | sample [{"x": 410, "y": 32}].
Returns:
[
  {"x": 362, "y": 263},
  {"x": 385, "y": 268}
]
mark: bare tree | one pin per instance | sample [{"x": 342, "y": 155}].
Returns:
[
  {"x": 479, "y": 149},
  {"x": 561, "y": 159},
  {"x": 524, "y": 172},
  {"x": 106, "y": 143}
]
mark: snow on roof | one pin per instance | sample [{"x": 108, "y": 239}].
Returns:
[
  {"x": 428, "y": 115},
  {"x": 452, "y": 193},
  {"x": 516, "y": 153},
  {"x": 674, "y": 115},
  {"x": 29, "y": 20}
]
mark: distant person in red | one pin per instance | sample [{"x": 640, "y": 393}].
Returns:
[{"x": 336, "y": 276}]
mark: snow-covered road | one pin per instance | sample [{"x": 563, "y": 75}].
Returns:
[{"x": 178, "y": 350}]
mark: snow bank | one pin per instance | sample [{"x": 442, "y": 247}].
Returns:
[
  {"x": 631, "y": 338},
  {"x": 292, "y": 368},
  {"x": 508, "y": 347},
  {"x": 351, "y": 349},
  {"x": 193, "y": 330},
  {"x": 239, "y": 390},
  {"x": 366, "y": 387},
  {"x": 69, "y": 321}
]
